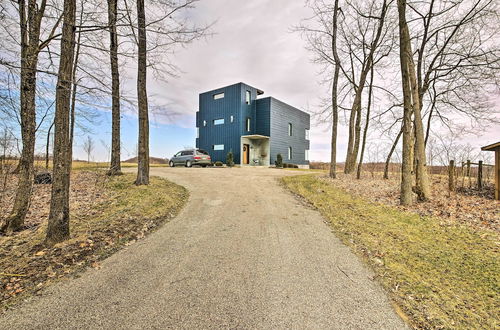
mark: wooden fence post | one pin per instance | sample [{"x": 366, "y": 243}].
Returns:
[
  {"x": 451, "y": 176},
  {"x": 480, "y": 175},
  {"x": 468, "y": 171}
]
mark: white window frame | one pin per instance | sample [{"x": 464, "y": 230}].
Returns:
[
  {"x": 219, "y": 121},
  {"x": 248, "y": 123},
  {"x": 307, "y": 134},
  {"x": 307, "y": 155},
  {"x": 290, "y": 129},
  {"x": 218, "y": 147},
  {"x": 218, "y": 96},
  {"x": 248, "y": 97},
  {"x": 290, "y": 153}
]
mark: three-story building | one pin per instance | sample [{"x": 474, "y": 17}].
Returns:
[{"x": 235, "y": 118}]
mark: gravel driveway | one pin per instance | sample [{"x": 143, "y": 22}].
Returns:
[{"x": 244, "y": 253}]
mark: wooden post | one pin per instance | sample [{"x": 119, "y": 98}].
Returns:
[
  {"x": 497, "y": 174},
  {"x": 451, "y": 176},
  {"x": 480, "y": 175},
  {"x": 468, "y": 170}
]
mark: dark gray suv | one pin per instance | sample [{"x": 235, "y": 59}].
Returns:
[{"x": 191, "y": 157}]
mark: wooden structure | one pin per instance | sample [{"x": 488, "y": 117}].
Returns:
[{"x": 496, "y": 148}]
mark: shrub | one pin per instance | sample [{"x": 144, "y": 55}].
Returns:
[
  {"x": 219, "y": 163},
  {"x": 279, "y": 161},
  {"x": 229, "y": 159}
]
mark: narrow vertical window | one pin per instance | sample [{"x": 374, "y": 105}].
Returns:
[
  {"x": 290, "y": 129},
  {"x": 197, "y": 132},
  {"x": 247, "y": 97},
  {"x": 248, "y": 125},
  {"x": 204, "y": 123},
  {"x": 232, "y": 118},
  {"x": 307, "y": 134},
  {"x": 289, "y": 153},
  {"x": 307, "y": 155}
]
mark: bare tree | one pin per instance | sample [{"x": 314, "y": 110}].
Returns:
[
  {"x": 88, "y": 147},
  {"x": 368, "y": 48},
  {"x": 143, "y": 143},
  {"x": 58, "y": 224},
  {"x": 367, "y": 122},
  {"x": 405, "y": 58},
  {"x": 30, "y": 19},
  {"x": 115, "y": 166}
]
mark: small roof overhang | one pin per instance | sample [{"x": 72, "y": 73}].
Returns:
[
  {"x": 491, "y": 147},
  {"x": 260, "y": 92},
  {"x": 256, "y": 137}
]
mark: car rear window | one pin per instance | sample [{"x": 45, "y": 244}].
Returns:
[{"x": 203, "y": 152}]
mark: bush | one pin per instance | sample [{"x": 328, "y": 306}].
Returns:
[
  {"x": 279, "y": 161},
  {"x": 286, "y": 165},
  {"x": 219, "y": 163},
  {"x": 229, "y": 159}
]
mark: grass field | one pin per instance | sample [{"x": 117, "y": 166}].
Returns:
[{"x": 441, "y": 276}]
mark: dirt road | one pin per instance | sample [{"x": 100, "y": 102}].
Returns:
[{"x": 244, "y": 254}]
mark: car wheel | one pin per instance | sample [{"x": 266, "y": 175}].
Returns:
[
  {"x": 171, "y": 164},
  {"x": 189, "y": 164}
]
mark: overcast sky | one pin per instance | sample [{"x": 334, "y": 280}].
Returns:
[{"x": 252, "y": 43}]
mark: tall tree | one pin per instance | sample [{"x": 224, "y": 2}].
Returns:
[
  {"x": 115, "y": 166},
  {"x": 405, "y": 57},
  {"x": 58, "y": 224},
  {"x": 369, "y": 49},
  {"x": 142, "y": 96},
  {"x": 335, "y": 83},
  {"x": 30, "y": 19},
  {"x": 367, "y": 122}
]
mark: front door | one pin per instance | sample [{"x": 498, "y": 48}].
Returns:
[{"x": 246, "y": 154}]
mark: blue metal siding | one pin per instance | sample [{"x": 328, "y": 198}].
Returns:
[
  {"x": 229, "y": 134},
  {"x": 263, "y": 116},
  {"x": 268, "y": 116},
  {"x": 281, "y": 115}
]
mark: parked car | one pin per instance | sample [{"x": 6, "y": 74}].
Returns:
[{"x": 191, "y": 157}]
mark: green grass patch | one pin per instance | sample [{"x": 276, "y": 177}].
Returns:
[{"x": 441, "y": 276}]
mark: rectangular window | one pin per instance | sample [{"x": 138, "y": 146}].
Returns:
[
  {"x": 247, "y": 97},
  {"x": 307, "y": 155},
  {"x": 218, "y": 147},
  {"x": 218, "y": 96},
  {"x": 219, "y": 121},
  {"x": 232, "y": 118},
  {"x": 204, "y": 123},
  {"x": 307, "y": 134},
  {"x": 290, "y": 153},
  {"x": 197, "y": 132},
  {"x": 248, "y": 125},
  {"x": 290, "y": 129}
]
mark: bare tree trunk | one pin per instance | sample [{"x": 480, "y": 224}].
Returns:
[
  {"x": 335, "y": 110},
  {"x": 115, "y": 166},
  {"x": 355, "y": 117},
  {"x": 47, "y": 147},
  {"x": 405, "y": 54},
  {"x": 389, "y": 156},
  {"x": 143, "y": 145},
  {"x": 30, "y": 38},
  {"x": 74, "y": 90},
  {"x": 365, "y": 132},
  {"x": 58, "y": 226},
  {"x": 423, "y": 187}
]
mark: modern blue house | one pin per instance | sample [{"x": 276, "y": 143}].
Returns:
[{"x": 235, "y": 118}]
